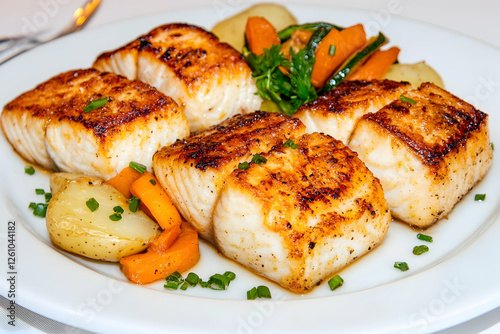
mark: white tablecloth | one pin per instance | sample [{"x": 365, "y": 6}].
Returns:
[{"x": 477, "y": 19}]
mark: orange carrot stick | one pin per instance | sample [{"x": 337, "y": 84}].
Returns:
[
  {"x": 166, "y": 239},
  {"x": 151, "y": 266},
  {"x": 260, "y": 34},
  {"x": 377, "y": 65},
  {"x": 123, "y": 180},
  {"x": 345, "y": 43},
  {"x": 156, "y": 200}
]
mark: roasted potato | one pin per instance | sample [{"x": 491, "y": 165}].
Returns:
[
  {"x": 74, "y": 227},
  {"x": 59, "y": 180},
  {"x": 414, "y": 73},
  {"x": 232, "y": 30}
]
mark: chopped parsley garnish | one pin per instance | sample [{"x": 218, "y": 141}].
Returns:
[
  {"x": 258, "y": 159},
  {"x": 291, "y": 90},
  {"x": 138, "y": 167},
  {"x": 291, "y": 144},
  {"x": 407, "y": 100},
  {"x": 29, "y": 170},
  {"x": 418, "y": 250},
  {"x": 335, "y": 282},
  {"x": 96, "y": 104},
  {"x": 403, "y": 266},
  {"x": 480, "y": 197}
]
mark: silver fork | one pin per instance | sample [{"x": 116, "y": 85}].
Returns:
[{"x": 11, "y": 47}]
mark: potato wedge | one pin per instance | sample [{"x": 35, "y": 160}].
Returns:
[
  {"x": 75, "y": 228},
  {"x": 232, "y": 30},
  {"x": 414, "y": 73},
  {"x": 58, "y": 180}
]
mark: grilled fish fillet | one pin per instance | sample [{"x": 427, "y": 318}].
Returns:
[
  {"x": 427, "y": 154},
  {"x": 337, "y": 111},
  {"x": 192, "y": 171},
  {"x": 302, "y": 215},
  {"x": 48, "y": 125},
  {"x": 209, "y": 79}
]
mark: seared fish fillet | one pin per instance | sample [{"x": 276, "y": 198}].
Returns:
[
  {"x": 48, "y": 125},
  {"x": 427, "y": 154},
  {"x": 303, "y": 215},
  {"x": 193, "y": 170},
  {"x": 337, "y": 111},
  {"x": 209, "y": 79}
]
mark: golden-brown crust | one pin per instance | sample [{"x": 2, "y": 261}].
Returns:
[
  {"x": 321, "y": 177},
  {"x": 193, "y": 54},
  {"x": 65, "y": 96},
  {"x": 189, "y": 59},
  {"x": 437, "y": 124},
  {"x": 351, "y": 95},
  {"x": 236, "y": 137}
]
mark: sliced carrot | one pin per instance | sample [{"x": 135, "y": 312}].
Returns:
[
  {"x": 345, "y": 43},
  {"x": 123, "y": 180},
  {"x": 260, "y": 34},
  {"x": 152, "y": 195},
  {"x": 165, "y": 240},
  {"x": 151, "y": 266},
  {"x": 377, "y": 65}
]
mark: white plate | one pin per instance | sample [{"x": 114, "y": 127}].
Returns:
[{"x": 455, "y": 281}]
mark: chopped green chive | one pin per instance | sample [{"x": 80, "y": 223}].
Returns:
[
  {"x": 261, "y": 291},
  {"x": 492, "y": 146},
  {"x": 29, "y": 170},
  {"x": 258, "y": 159},
  {"x": 424, "y": 237},
  {"x": 40, "y": 210},
  {"x": 115, "y": 217},
  {"x": 291, "y": 144},
  {"x": 118, "y": 209},
  {"x": 134, "y": 203},
  {"x": 335, "y": 282},
  {"x": 243, "y": 165},
  {"x": 118, "y": 213},
  {"x": 138, "y": 167},
  {"x": 407, "y": 99},
  {"x": 92, "y": 204},
  {"x": 252, "y": 294},
  {"x": 403, "y": 266},
  {"x": 153, "y": 182},
  {"x": 480, "y": 197},
  {"x": 331, "y": 50},
  {"x": 173, "y": 281},
  {"x": 418, "y": 250},
  {"x": 192, "y": 279},
  {"x": 215, "y": 282},
  {"x": 96, "y": 104},
  {"x": 218, "y": 282}
]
